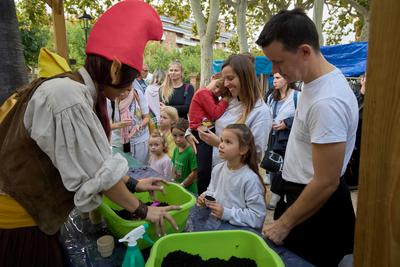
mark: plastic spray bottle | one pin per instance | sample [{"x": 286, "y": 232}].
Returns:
[{"x": 133, "y": 256}]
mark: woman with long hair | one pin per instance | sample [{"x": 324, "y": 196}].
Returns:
[
  {"x": 282, "y": 103},
  {"x": 174, "y": 92},
  {"x": 55, "y": 151},
  {"x": 246, "y": 105}
]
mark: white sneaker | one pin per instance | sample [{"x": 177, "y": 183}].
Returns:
[{"x": 273, "y": 201}]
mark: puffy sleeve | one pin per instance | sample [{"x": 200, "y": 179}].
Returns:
[{"x": 73, "y": 138}]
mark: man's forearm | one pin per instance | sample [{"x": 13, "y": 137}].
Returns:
[{"x": 313, "y": 197}]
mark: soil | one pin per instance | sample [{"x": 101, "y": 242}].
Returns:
[
  {"x": 127, "y": 215},
  {"x": 183, "y": 259}
]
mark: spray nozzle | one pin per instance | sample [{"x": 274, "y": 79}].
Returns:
[{"x": 133, "y": 236}]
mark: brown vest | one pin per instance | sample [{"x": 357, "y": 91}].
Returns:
[{"x": 26, "y": 172}]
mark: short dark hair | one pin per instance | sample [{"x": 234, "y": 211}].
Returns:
[
  {"x": 182, "y": 124},
  {"x": 292, "y": 28}
]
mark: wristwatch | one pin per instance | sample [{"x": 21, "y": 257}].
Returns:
[{"x": 131, "y": 184}]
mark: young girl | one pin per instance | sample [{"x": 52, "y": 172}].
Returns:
[
  {"x": 168, "y": 117},
  {"x": 184, "y": 158},
  {"x": 159, "y": 159},
  {"x": 235, "y": 184}
]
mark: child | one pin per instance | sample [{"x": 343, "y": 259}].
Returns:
[
  {"x": 204, "y": 110},
  {"x": 168, "y": 117},
  {"x": 159, "y": 159},
  {"x": 184, "y": 158},
  {"x": 235, "y": 184}
]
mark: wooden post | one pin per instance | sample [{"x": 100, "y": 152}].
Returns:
[
  {"x": 378, "y": 211},
  {"x": 60, "y": 34}
]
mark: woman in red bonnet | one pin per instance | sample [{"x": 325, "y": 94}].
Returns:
[{"x": 60, "y": 125}]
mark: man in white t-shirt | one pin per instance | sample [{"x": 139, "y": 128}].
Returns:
[{"x": 315, "y": 217}]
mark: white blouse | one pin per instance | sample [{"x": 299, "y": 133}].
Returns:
[{"x": 61, "y": 120}]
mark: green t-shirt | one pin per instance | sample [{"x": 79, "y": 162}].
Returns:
[{"x": 185, "y": 162}]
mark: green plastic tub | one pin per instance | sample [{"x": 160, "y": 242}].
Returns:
[
  {"x": 174, "y": 195},
  {"x": 216, "y": 244}
]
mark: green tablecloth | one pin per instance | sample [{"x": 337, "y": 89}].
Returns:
[{"x": 132, "y": 163}]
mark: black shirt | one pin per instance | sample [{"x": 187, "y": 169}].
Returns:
[{"x": 181, "y": 99}]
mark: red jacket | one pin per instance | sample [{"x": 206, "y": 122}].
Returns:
[{"x": 205, "y": 105}]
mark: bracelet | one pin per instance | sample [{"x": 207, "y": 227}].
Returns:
[
  {"x": 141, "y": 211},
  {"x": 131, "y": 184}
]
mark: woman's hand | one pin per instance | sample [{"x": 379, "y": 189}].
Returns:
[
  {"x": 124, "y": 123},
  {"x": 134, "y": 130},
  {"x": 279, "y": 126},
  {"x": 192, "y": 142},
  {"x": 216, "y": 209},
  {"x": 156, "y": 215},
  {"x": 209, "y": 137},
  {"x": 200, "y": 200}
]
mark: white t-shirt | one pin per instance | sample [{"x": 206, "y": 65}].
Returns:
[
  {"x": 259, "y": 121},
  {"x": 327, "y": 112}
]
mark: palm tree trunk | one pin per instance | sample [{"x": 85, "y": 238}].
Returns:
[{"x": 13, "y": 72}]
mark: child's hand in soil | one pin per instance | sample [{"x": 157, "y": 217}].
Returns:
[
  {"x": 200, "y": 200},
  {"x": 216, "y": 209}
]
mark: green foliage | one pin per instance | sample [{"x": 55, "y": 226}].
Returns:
[
  {"x": 76, "y": 43},
  {"x": 179, "y": 10},
  {"x": 159, "y": 57},
  {"x": 33, "y": 38},
  {"x": 343, "y": 19}
]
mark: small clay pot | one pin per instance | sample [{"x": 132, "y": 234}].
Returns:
[{"x": 105, "y": 245}]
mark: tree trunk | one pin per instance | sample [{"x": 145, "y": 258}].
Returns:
[
  {"x": 317, "y": 18},
  {"x": 365, "y": 30},
  {"x": 377, "y": 241},
  {"x": 13, "y": 72},
  {"x": 241, "y": 10},
  {"x": 207, "y": 36}
]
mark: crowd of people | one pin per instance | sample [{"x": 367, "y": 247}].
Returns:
[{"x": 210, "y": 141}]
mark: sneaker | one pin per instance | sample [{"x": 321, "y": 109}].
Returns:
[
  {"x": 267, "y": 179},
  {"x": 273, "y": 201}
]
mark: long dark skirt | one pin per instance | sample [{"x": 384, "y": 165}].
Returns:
[{"x": 31, "y": 247}]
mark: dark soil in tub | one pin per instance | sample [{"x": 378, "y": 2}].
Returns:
[
  {"x": 183, "y": 259},
  {"x": 126, "y": 215}
]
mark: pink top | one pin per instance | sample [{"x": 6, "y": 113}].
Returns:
[{"x": 162, "y": 165}]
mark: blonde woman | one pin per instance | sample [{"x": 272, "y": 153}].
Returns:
[{"x": 174, "y": 92}]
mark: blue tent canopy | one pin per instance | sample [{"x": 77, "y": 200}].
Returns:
[{"x": 351, "y": 59}]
